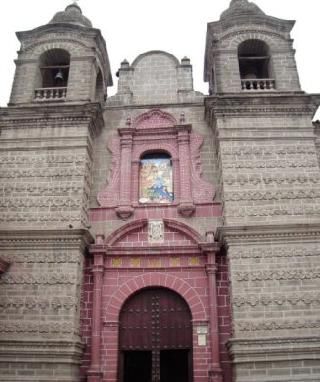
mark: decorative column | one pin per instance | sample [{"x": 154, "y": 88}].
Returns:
[
  {"x": 186, "y": 206},
  {"x": 125, "y": 210},
  {"x": 135, "y": 180},
  {"x": 94, "y": 373},
  {"x": 211, "y": 248}
]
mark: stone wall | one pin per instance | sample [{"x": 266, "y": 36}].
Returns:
[
  {"x": 46, "y": 159},
  {"x": 270, "y": 185}
]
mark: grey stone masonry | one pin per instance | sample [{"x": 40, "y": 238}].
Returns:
[
  {"x": 270, "y": 188},
  {"x": 39, "y": 306},
  {"x": 45, "y": 164},
  {"x": 240, "y": 24},
  {"x": 274, "y": 273},
  {"x": 155, "y": 77},
  {"x": 88, "y": 59}
]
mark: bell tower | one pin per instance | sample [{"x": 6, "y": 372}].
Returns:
[
  {"x": 269, "y": 171},
  {"x": 48, "y": 137},
  {"x": 63, "y": 61},
  {"x": 249, "y": 51}
]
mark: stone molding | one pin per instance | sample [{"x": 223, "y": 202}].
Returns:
[
  {"x": 267, "y": 325},
  {"x": 241, "y": 301},
  {"x": 32, "y": 303},
  {"x": 264, "y": 233},
  {"x": 48, "y": 351},
  {"x": 295, "y": 274},
  {"x": 305, "y": 212},
  {"x": 30, "y": 239},
  {"x": 303, "y": 193},
  {"x": 53, "y": 256},
  {"x": 49, "y": 116},
  {"x": 65, "y": 328},
  {"x": 53, "y": 278},
  {"x": 238, "y": 106},
  {"x": 255, "y": 179},
  {"x": 275, "y": 348},
  {"x": 298, "y": 251}
]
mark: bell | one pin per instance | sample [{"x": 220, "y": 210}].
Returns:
[{"x": 59, "y": 76}]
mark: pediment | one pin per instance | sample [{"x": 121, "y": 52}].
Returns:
[
  {"x": 146, "y": 233},
  {"x": 154, "y": 118}
]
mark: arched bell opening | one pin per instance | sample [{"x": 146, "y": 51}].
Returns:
[
  {"x": 54, "y": 68},
  {"x": 255, "y": 65},
  {"x": 155, "y": 337},
  {"x": 54, "y": 65}
]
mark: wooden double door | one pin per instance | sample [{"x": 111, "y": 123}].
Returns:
[{"x": 155, "y": 339}]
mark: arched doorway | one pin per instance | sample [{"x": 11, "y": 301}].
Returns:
[{"x": 155, "y": 338}]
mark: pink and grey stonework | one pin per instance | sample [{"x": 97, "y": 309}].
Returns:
[{"x": 160, "y": 235}]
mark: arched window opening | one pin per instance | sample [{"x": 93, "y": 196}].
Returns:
[
  {"x": 254, "y": 65},
  {"x": 155, "y": 179},
  {"x": 99, "y": 88},
  {"x": 54, "y": 73}
]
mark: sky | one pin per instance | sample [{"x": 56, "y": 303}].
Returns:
[{"x": 132, "y": 27}]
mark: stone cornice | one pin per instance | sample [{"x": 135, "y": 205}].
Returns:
[
  {"x": 45, "y": 350},
  {"x": 34, "y": 115},
  {"x": 258, "y": 104},
  {"x": 256, "y": 349},
  {"x": 72, "y": 238},
  {"x": 266, "y": 233}
]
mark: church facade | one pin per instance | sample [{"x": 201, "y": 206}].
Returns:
[{"x": 160, "y": 235}]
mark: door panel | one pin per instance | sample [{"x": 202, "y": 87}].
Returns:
[
  {"x": 156, "y": 321},
  {"x": 174, "y": 365},
  {"x": 137, "y": 366}
]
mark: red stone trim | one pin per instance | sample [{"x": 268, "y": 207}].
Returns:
[
  {"x": 155, "y": 279},
  {"x": 139, "y": 224},
  {"x": 152, "y": 132},
  {"x": 154, "y": 118}
]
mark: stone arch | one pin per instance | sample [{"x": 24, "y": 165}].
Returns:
[
  {"x": 121, "y": 232},
  {"x": 234, "y": 39},
  {"x": 155, "y": 279},
  {"x": 69, "y": 45},
  {"x": 152, "y": 52},
  {"x": 156, "y": 147}
]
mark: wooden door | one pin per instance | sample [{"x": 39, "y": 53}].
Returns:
[{"x": 155, "y": 340}]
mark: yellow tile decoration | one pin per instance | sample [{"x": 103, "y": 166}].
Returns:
[
  {"x": 194, "y": 261},
  {"x": 116, "y": 262},
  {"x": 175, "y": 262},
  {"x": 135, "y": 262},
  {"x": 155, "y": 263}
]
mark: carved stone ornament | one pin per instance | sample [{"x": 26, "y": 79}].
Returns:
[{"x": 155, "y": 231}]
